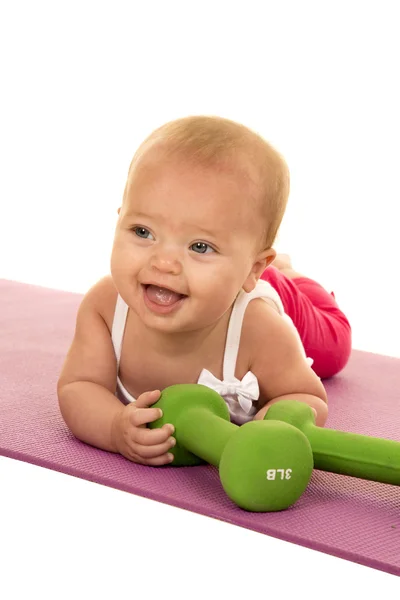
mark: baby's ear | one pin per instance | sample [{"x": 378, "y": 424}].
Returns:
[
  {"x": 262, "y": 261},
  {"x": 119, "y": 210}
]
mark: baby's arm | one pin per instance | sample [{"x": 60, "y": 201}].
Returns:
[
  {"x": 87, "y": 383},
  {"x": 86, "y": 393},
  {"x": 280, "y": 366}
]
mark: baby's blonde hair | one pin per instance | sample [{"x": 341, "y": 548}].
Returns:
[{"x": 212, "y": 141}]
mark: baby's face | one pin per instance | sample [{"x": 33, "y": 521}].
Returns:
[{"x": 185, "y": 243}]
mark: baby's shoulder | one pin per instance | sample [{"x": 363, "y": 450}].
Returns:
[
  {"x": 262, "y": 326},
  {"x": 260, "y": 315},
  {"x": 103, "y": 296}
]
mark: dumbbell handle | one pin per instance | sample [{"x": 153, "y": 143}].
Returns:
[
  {"x": 352, "y": 454},
  {"x": 203, "y": 433}
]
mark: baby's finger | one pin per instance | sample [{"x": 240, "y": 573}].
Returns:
[
  {"x": 142, "y": 416},
  {"x": 148, "y": 399},
  {"x": 152, "y": 437},
  {"x": 158, "y": 461},
  {"x": 151, "y": 451}
]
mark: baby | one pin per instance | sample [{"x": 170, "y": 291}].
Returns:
[{"x": 192, "y": 297}]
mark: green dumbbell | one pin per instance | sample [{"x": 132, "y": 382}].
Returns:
[
  {"x": 263, "y": 466},
  {"x": 362, "y": 456}
]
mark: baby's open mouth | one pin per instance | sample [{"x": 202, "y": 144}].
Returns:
[{"x": 162, "y": 296}]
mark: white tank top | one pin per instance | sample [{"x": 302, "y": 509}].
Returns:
[{"x": 239, "y": 396}]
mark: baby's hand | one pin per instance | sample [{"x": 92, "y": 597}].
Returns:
[{"x": 138, "y": 443}]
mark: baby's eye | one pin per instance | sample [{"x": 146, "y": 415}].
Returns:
[
  {"x": 201, "y": 248},
  {"x": 142, "y": 232}
]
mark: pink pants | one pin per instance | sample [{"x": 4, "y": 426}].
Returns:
[{"x": 323, "y": 328}]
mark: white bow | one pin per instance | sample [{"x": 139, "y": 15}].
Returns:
[{"x": 246, "y": 391}]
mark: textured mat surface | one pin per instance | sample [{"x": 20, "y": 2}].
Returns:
[{"x": 350, "y": 518}]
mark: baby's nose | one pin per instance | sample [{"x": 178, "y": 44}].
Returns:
[{"x": 166, "y": 261}]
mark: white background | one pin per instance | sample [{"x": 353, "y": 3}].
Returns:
[{"x": 82, "y": 83}]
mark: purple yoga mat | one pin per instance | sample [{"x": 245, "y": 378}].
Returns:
[{"x": 343, "y": 516}]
